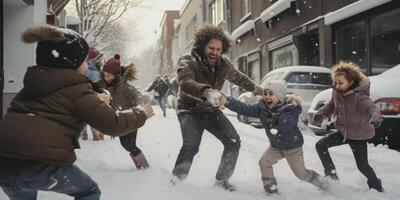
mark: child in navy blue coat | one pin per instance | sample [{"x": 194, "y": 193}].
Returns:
[{"x": 279, "y": 115}]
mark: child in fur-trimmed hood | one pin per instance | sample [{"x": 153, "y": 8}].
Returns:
[{"x": 279, "y": 115}]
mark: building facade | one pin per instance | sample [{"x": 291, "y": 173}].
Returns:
[
  {"x": 273, "y": 34},
  {"x": 167, "y": 36},
  {"x": 15, "y": 55}
]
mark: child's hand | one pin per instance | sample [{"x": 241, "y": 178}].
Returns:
[
  {"x": 148, "y": 110},
  {"x": 376, "y": 123},
  {"x": 318, "y": 118},
  {"x": 104, "y": 97},
  {"x": 222, "y": 101}
]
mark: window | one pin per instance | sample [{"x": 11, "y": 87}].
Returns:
[
  {"x": 285, "y": 56},
  {"x": 246, "y": 7},
  {"x": 217, "y": 12},
  {"x": 309, "y": 78},
  {"x": 385, "y": 41},
  {"x": 351, "y": 44},
  {"x": 190, "y": 28}
]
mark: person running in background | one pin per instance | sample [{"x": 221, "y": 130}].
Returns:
[{"x": 160, "y": 88}]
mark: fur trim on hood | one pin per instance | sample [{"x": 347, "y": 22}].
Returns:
[
  {"x": 130, "y": 72},
  {"x": 42, "y": 33},
  {"x": 293, "y": 99}
]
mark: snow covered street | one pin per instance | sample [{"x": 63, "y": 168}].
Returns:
[{"x": 112, "y": 168}]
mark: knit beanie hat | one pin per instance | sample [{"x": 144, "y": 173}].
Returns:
[
  {"x": 57, "y": 47},
  {"x": 113, "y": 65},
  {"x": 278, "y": 87}
]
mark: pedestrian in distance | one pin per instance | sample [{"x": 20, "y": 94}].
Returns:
[
  {"x": 279, "y": 115},
  {"x": 56, "y": 102},
  {"x": 160, "y": 88},
  {"x": 201, "y": 75},
  {"x": 356, "y": 119}
]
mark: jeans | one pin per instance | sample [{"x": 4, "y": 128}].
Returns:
[
  {"x": 192, "y": 128},
  {"x": 161, "y": 102},
  {"x": 129, "y": 143},
  {"x": 68, "y": 179},
  {"x": 358, "y": 147}
]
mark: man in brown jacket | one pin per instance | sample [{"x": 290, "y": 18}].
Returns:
[
  {"x": 200, "y": 75},
  {"x": 41, "y": 129}
]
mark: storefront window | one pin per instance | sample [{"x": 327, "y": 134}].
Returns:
[
  {"x": 385, "y": 41},
  {"x": 351, "y": 44},
  {"x": 285, "y": 56}
]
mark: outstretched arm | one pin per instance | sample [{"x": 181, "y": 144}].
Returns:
[{"x": 242, "y": 108}]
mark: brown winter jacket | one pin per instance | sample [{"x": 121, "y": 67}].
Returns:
[
  {"x": 124, "y": 96},
  {"x": 353, "y": 111},
  {"x": 46, "y": 117},
  {"x": 194, "y": 77}
]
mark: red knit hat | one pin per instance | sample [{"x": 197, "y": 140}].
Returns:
[{"x": 113, "y": 66}]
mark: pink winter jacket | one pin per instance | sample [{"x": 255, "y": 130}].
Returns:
[{"x": 353, "y": 111}]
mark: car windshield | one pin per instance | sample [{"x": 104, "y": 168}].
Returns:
[{"x": 309, "y": 78}]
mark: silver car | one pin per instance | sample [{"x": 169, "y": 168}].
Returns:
[{"x": 304, "y": 81}]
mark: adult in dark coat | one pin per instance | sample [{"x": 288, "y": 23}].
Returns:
[
  {"x": 160, "y": 88},
  {"x": 39, "y": 133},
  {"x": 201, "y": 74}
]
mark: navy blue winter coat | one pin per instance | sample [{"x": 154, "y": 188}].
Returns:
[{"x": 283, "y": 118}]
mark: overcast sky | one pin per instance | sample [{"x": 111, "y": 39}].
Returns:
[{"x": 148, "y": 20}]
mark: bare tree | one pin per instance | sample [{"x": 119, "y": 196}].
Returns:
[{"x": 98, "y": 15}]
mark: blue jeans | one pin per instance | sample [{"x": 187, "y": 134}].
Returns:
[
  {"x": 161, "y": 102},
  {"x": 68, "y": 179}
]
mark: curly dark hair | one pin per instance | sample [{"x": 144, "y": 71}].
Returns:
[
  {"x": 349, "y": 70},
  {"x": 207, "y": 32}
]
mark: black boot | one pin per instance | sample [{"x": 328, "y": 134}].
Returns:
[
  {"x": 376, "y": 184},
  {"x": 332, "y": 175}
]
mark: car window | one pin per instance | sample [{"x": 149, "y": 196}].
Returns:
[{"x": 309, "y": 78}]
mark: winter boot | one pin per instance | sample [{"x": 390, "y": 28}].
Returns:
[
  {"x": 376, "y": 184},
  {"x": 140, "y": 161},
  {"x": 332, "y": 175},
  {"x": 270, "y": 185},
  {"x": 319, "y": 181},
  {"x": 225, "y": 185}
]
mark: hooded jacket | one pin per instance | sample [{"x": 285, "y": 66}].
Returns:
[
  {"x": 46, "y": 117},
  {"x": 194, "y": 76},
  {"x": 283, "y": 118},
  {"x": 353, "y": 111}
]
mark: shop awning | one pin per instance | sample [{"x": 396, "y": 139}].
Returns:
[
  {"x": 351, "y": 10},
  {"x": 244, "y": 28},
  {"x": 275, "y": 9}
]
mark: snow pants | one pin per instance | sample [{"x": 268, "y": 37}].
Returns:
[
  {"x": 192, "y": 128},
  {"x": 129, "y": 143},
  {"x": 358, "y": 147},
  {"x": 66, "y": 179},
  {"x": 294, "y": 158}
]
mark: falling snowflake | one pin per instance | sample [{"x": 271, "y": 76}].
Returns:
[
  {"x": 354, "y": 52},
  {"x": 55, "y": 53}
]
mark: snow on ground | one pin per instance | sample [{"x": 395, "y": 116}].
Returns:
[{"x": 160, "y": 139}]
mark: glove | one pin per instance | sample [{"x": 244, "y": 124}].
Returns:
[
  {"x": 318, "y": 119},
  {"x": 213, "y": 97},
  {"x": 375, "y": 123}
]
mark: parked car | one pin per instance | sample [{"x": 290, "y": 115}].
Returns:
[
  {"x": 386, "y": 98},
  {"x": 304, "y": 81}
]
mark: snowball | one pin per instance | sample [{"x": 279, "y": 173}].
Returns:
[
  {"x": 273, "y": 131},
  {"x": 55, "y": 53}
]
